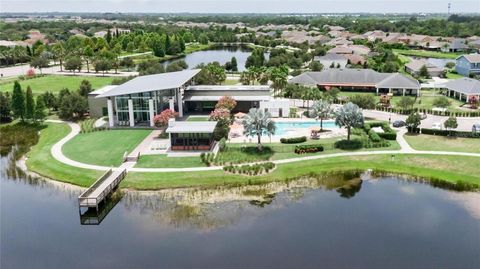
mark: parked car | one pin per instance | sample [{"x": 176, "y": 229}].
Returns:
[
  {"x": 399, "y": 123},
  {"x": 437, "y": 126},
  {"x": 476, "y": 128}
]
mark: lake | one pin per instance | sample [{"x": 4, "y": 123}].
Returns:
[
  {"x": 327, "y": 222},
  {"x": 220, "y": 54}
]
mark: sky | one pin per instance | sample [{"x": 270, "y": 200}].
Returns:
[{"x": 242, "y": 6}]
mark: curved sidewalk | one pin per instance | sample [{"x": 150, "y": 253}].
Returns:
[{"x": 405, "y": 149}]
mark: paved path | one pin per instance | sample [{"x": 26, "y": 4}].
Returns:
[
  {"x": 405, "y": 149},
  {"x": 19, "y": 70}
]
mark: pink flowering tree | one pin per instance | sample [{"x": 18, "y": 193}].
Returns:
[
  {"x": 161, "y": 120},
  {"x": 226, "y": 102},
  {"x": 473, "y": 101},
  {"x": 30, "y": 73}
]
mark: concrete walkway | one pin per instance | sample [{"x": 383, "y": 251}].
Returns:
[{"x": 405, "y": 149}]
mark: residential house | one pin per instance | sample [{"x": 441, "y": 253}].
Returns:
[
  {"x": 332, "y": 60},
  {"x": 361, "y": 80},
  {"x": 468, "y": 64},
  {"x": 463, "y": 88},
  {"x": 415, "y": 66},
  {"x": 341, "y": 50},
  {"x": 457, "y": 45}
]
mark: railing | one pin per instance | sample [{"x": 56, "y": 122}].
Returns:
[{"x": 85, "y": 201}]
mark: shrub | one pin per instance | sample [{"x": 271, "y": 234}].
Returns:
[
  {"x": 374, "y": 136},
  {"x": 302, "y": 149},
  {"x": 250, "y": 169},
  {"x": 388, "y": 135},
  {"x": 349, "y": 144},
  {"x": 222, "y": 144},
  {"x": 293, "y": 140}
]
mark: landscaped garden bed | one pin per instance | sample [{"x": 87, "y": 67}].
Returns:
[{"x": 250, "y": 169}]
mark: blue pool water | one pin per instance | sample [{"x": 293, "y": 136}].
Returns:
[{"x": 287, "y": 128}]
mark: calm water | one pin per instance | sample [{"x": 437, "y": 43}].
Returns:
[
  {"x": 221, "y": 55},
  {"x": 311, "y": 223}
]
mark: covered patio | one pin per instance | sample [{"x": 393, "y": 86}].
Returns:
[{"x": 191, "y": 135}]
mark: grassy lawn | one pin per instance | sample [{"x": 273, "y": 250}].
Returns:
[
  {"x": 42, "y": 162},
  {"x": 198, "y": 118},
  {"x": 231, "y": 82},
  {"x": 162, "y": 161},
  {"x": 104, "y": 147},
  {"x": 55, "y": 83},
  {"x": 196, "y": 47},
  {"x": 451, "y": 75},
  {"x": 443, "y": 143},
  {"x": 446, "y": 168},
  {"x": 425, "y": 53}
]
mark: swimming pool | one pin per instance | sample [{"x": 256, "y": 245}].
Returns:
[{"x": 292, "y": 127}]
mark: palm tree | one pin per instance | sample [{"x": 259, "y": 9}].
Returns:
[
  {"x": 278, "y": 76},
  {"x": 348, "y": 116},
  {"x": 322, "y": 110},
  {"x": 258, "y": 123}
]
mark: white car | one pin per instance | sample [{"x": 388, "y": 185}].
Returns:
[{"x": 437, "y": 126}]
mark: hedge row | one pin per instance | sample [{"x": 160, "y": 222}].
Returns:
[
  {"x": 374, "y": 136},
  {"x": 302, "y": 149},
  {"x": 349, "y": 144},
  {"x": 450, "y": 133},
  {"x": 431, "y": 112},
  {"x": 293, "y": 140},
  {"x": 251, "y": 170}
]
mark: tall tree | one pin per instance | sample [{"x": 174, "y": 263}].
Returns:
[
  {"x": 73, "y": 63},
  {"x": 322, "y": 110},
  {"x": 29, "y": 104},
  {"x": 40, "y": 114},
  {"x": 348, "y": 116},
  {"x": 88, "y": 56},
  {"x": 59, "y": 53},
  {"x": 258, "y": 123},
  {"x": 233, "y": 64},
  {"x": 85, "y": 88},
  {"x": 39, "y": 62},
  {"x": 5, "y": 107},
  {"x": 18, "y": 101},
  {"x": 278, "y": 76}
]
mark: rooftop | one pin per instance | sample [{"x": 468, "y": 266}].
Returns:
[
  {"x": 360, "y": 77},
  {"x": 473, "y": 58},
  {"x": 464, "y": 85},
  {"x": 156, "y": 82},
  {"x": 239, "y": 93},
  {"x": 103, "y": 89},
  {"x": 180, "y": 127}
]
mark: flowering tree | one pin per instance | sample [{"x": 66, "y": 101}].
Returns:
[
  {"x": 473, "y": 101},
  {"x": 226, "y": 102},
  {"x": 161, "y": 119},
  {"x": 222, "y": 115},
  {"x": 30, "y": 73}
]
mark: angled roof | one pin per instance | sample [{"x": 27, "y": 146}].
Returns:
[
  {"x": 398, "y": 81},
  {"x": 340, "y": 50},
  {"x": 356, "y": 77},
  {"x": 151, "y": 83},
  {"x": 102, "y": 90},
  {"x": 416, "y": 65},
  {"x": 464, "y": 85},
  {"x": 330, "y": 57},
  {"x": 472, "y": 58},
  {"x": 458, "y": 44},
  {"x": 192, "y": 127}
]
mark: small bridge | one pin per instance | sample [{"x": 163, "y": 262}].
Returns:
[{"x": 101, "y": 188}]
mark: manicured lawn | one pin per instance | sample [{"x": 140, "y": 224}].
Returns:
[
  {"x": 198, "y": 118},
  {"x": 443, "y": 143},
  {"x": 231, "y": 82},
  {"x": 451, "y": 75},
  {"x": 162, "y": 161},
  {"x": 104, "y": 147},
  {"x": 55, "y": 83},
  {"x": 424, "y": 53},
  {"x": 447, "y": 168},
  {"x": 42, "y": 162}
]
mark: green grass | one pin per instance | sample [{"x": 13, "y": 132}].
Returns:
[
  {"x": 198, "y": 118},
  {"x": 196, "y": 47},
  {"x": 55, "y": 83},
  {"x": 162, "y": 161},
  {"x": 104, "y": 147},
  {"x": 447, "y": 168},
  {"x": 451, "y": 75},
  {"x": 443, "y": 143},
  {"x": 40, "y": 160},
  {"x": 425, "y": 53},
  {"x": 231, "y": 82}
]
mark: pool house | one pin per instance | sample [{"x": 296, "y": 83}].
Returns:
[{"x": 191, "y": 136}]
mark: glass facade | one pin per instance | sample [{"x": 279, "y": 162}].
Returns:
[{"x": 140, "y": 101}]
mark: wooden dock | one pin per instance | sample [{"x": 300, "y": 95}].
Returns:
[{"x": 101, "y": 188}]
